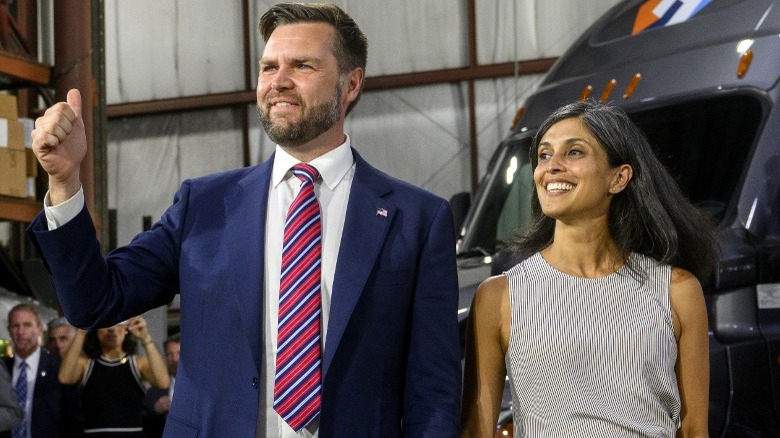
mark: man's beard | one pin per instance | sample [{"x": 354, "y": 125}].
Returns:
[{"x": 314, "y": 121}]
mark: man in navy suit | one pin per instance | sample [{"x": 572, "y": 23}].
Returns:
[
  {"x": 44, "y": 396},
  {"x": 390, "y": 362}
]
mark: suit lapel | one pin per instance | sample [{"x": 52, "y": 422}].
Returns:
[
  {"x": 245, "y": 208},
  {"x": 44, "y": 374},
  {"x": 366, "y": 225}
]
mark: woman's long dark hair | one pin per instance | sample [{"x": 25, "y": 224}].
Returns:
[
  {"x": 92, "y": 345},
  {"x": 651, "y": 216}
]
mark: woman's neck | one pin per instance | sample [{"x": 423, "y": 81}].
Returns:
[
  {"x": 583, "y": 251},
  {"x": 113, "y": 354}
]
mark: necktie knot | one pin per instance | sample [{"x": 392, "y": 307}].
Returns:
[{"x": 305, "y": 172}]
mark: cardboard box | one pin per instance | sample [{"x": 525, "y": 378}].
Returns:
[
  {"x": 31, "y": 195},
  {"x": 13, "y": 172},
  {"x": 32, "y": 162},
  {"x": 9, "y": 108},
  {"x": 11, "y": 134},
  {"x": 29, "y": 125},
  {"x": 31, "y": 172}
]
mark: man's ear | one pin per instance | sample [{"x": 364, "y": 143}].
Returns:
[
  {"x": 622, "y": 176},
  {"x": 353, "y": 84}
]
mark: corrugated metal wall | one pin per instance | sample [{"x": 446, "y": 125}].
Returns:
[{"x": 171, "y": 49}]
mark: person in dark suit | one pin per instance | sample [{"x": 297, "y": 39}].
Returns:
[
  {"x": 382, "y": 352},
  {"x": 59, "y": 335},
  {"x": 157, "y": 402},
  {"x": 43, "y": 405},
  {"x": 11, "y": 413}
]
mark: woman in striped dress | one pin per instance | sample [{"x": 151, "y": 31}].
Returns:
[
  {"x": 602, "y": 326},
  {"x": 113, "y": 377}
]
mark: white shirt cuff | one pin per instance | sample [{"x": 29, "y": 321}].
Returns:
[{"x": 60, "y": 214}]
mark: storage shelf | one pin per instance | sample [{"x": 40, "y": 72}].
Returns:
[
  {"x": 19, "y": 210},
  {"x": 16, "y": 72}
]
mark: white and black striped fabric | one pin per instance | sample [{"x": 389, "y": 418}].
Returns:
[{"x": 592, "y": 356}]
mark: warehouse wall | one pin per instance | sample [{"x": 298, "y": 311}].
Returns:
[{"x": 157, "y": 50}]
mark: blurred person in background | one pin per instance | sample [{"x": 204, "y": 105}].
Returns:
[
  {"x": 157, "y": 402},
  {"x": 59, "y": 335},
  {"x": 112, "y": 376},
  {"x": 11, "y": 414},
  {"x": 34, "y": 376}
]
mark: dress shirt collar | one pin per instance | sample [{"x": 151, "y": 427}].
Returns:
[
  {"x": 32, "y": 361},
  {"x": 333, "y": 166}
]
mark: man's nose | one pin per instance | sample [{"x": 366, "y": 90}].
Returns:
[{"x": 282, "y": 79}]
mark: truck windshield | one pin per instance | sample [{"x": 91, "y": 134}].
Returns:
[{"x": 704, "y": 144}]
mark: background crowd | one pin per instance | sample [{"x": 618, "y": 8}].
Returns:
[{"x": 60, "y": 381}]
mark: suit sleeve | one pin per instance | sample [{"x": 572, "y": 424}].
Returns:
[
  {"x": 433, "y": 375},
  {"x": 10, "y": 413},
  {"x": 98, "y": 292}
]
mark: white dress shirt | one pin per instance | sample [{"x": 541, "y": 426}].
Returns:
[
  {"x": 60, "y": 214},
  {"x": 32, "y": 362},
  {"x": 337, "y": 169},
  {"x": 170, "y": 388}
]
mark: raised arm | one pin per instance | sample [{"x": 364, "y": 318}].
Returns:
[
  {"x": 74, "y": 365},
  {"x": 152, "y": 366},
  {"x": 487, "y": 338},
  {"x": 693, "y": 367},
  {"x": 60, "y": 143}
]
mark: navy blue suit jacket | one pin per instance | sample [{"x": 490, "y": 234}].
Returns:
[
  {"x": 47, "y": 397},
  {"x": 391, "y": 364}
]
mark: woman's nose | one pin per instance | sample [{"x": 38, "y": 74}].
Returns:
[{"x": 555, "y": 163}]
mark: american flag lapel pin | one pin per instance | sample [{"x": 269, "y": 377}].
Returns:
[{"x": 381, "y": 212}]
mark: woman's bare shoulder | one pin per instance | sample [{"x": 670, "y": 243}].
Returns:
[
  {"x": 684, "y": 285},
  {"x": 493, "y": 290}
]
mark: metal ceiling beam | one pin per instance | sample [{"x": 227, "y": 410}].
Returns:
[
  {"x": 242, "y": 99},
  {"x": 249, "y": 97}
]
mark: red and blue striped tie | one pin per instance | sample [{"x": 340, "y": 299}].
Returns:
[{"x": 298, "y": 375}]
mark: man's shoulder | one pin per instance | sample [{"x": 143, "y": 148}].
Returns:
[
  {"x": 49, "y": 360},
  {"x": 224, "y": 177},
  {"x": 219, "y": 183}
]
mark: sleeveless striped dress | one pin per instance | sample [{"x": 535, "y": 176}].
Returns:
[{"x": 592, "y": 356}]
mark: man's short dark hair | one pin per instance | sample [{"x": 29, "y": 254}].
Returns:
[
  {"x": 350, "y": 45},
  {"x": 172, "y": 339}
]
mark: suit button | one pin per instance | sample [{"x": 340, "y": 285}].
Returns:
[{"x": 255, "y": 383}]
